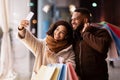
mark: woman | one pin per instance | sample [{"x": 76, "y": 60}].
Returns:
[{"x": 57, "y": 44}]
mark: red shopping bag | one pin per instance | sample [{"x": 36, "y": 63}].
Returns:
[{"x": 71, "y": 72}]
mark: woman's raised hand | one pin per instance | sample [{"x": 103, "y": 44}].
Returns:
[{"x": 23, "y": 24}]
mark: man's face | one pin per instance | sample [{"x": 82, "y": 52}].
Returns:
[{"x": 76, "y": 20}]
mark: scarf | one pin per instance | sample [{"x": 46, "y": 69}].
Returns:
[{"x": 56, "y": 46}]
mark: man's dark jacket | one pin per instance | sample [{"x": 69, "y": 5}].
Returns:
[{"x": 91, "y": 49}]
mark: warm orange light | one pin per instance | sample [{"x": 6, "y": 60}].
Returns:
[{"x": 34, "y": 21}]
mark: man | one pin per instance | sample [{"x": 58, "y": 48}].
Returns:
[{"x": 91, "y": 45}]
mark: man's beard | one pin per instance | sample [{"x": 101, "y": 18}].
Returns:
[
  {"x": 80, "y": 27},
  {"x": 76, "y": 33}
]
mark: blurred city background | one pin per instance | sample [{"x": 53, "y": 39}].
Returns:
[{"x": 16, "y": 61}]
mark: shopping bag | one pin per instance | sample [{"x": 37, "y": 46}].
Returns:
[
  {"x": 112, "y": 52},
  {"x": 45, "y": 72},
  {"x": 63, "y": 73},
  {"x": 60, "y": 71},
  {"x": 57, "y": 70},
  {"x": 114, "y": 33},
  {"x": 71, "y": 74}
]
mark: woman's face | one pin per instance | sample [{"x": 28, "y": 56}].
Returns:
[{"x": 60, "y": 33}]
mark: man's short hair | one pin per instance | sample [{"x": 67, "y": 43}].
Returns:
[{"x": 84, "y": 11}]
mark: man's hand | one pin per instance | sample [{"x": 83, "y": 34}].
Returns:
[{"x": 85, "y": 26}]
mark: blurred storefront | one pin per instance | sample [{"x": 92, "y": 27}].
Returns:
[{"x": 47, "y": 12}]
